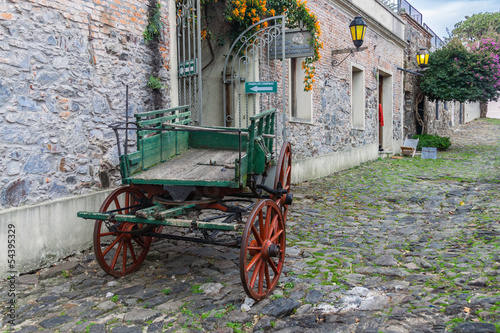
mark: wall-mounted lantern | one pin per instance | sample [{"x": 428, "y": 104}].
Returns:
[
  {"x": 422, "y": 57},
  {"x": 358, "y": 29},
  {"x": 422, "y": 60}
]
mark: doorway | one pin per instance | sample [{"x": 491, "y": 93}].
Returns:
[
  {"x": 420, "y": 110},
  {"x": 381, "y": 114},
  {"x": 385, "y": 94}
]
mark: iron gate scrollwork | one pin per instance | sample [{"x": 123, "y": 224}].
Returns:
[
  {"x": 189, "y": 56},
  {"x": 256, "y": 56}
]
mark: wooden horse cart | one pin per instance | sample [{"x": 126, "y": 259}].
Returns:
[{"x": 178, "y": 171}]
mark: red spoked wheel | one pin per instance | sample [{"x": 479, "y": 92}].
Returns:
[
  {"x": 284, "y": 176},
  {"x": 262, "y": 252},
  {"x": 120, "y": 248}
]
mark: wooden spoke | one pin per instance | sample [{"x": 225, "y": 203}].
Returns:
[
  {"x": 273, "y": 266},
  {"x": 124, "y": 255},
  {"x": 258, "y": 256},
  {"x": 253, "y": 261},
  {"x": 266, "y": 272},
  {"x": 140, "y": 242},
  {"x": 261, "y": 225},
  {"x": 256, "y": 273},
  {"x": 256, "y": 234},
  {"x": 267, "y": 225},
  {"x": 287, "y": 174},
  {"x": 275, "y": 237},
  {"x": 283, "y": 176},
  {"x": 133, "y": 253},
  {"x": 108, "y": 234},
  {"x": 117, "y": 204},
  {"x": 112, "y": 245},
  {"x": 261, "y": 279},
  {"x": 117, "y": 254},
  {"x": 272, "y": 227}
]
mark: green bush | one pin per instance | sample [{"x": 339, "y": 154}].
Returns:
[{"x": 427, "y": 140}]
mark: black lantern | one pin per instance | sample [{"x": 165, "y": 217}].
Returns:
[
  {"x": 358, "y": 29},
  {"x": 422, "y": 57}
]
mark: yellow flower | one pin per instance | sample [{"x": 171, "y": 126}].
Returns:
[
  {"x": 272, "y": 12},
  {"x": 264, "y": 24},
  {"x": 235, "y": 12}
]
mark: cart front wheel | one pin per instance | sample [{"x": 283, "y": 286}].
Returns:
[
  {"x": 262, "y": 252},
  {"x": 120, "y": 248}
]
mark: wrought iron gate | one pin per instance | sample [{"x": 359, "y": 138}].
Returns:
[
  {"x": 189, "y": 56},
  {"x": 254, "y": 74}
]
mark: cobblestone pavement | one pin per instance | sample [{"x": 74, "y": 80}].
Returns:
[{"x": 406, "y": 245}]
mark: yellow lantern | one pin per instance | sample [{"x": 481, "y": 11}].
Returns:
[
  {"x": 422, "y": 57},
  {"x": 358, "y": 29}
]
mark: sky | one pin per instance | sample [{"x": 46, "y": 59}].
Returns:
[{"x": 442, "y": 14}]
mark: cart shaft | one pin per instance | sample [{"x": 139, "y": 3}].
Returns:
[{"x": 164, "y": 222}]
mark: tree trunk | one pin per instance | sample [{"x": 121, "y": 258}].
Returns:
[{"x": 483, "y": 107}]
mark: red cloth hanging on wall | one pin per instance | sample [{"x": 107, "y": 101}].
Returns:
[{"x": 380, "y": 115}]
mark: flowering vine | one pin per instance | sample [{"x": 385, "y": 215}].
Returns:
[{"x": 244, "y": 13}]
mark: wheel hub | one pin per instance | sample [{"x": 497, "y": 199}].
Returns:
[
  {"x": 126, "y": 229},
  {"x": 270, "y": 250}
]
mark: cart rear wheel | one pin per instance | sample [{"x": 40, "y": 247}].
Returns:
[
  {"x": 284, "y": 176},
  {"x": 119, "y": 247},
  {"x": 262, "y": 253}
]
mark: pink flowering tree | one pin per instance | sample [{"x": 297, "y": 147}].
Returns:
[{"x": 460, "y": 72}]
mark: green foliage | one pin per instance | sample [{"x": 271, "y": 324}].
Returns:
[
  {"x": 478, "y": 26},
  {"x": 235, "y": 326},
  {"x": 455, "y": 73},
  {"x": 428, "y": 140},
  {"x": 114, "y": 298},
  {"x": 155, "y": 25},
  {"x": 187, "y": 311},
  {"x": 155, "y": 83},
  {"x": 196, "y": 289},
  {"x": 166, "y": 291},
  {"x": 219, "y": 314}
]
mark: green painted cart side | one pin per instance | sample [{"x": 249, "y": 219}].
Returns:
[{"x": 164, "y": 140}]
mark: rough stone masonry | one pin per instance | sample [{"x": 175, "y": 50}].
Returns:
[{"x": 64, "y": 66}]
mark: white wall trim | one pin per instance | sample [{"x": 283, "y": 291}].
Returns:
[
  {"x": 47, "y": 232},
  {"x": 325, "y": 165}
]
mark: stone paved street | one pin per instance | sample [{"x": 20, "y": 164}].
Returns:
[{"x": 406, "y": 245}]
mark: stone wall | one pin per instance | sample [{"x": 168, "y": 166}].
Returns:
[
  {"x": 64, "y": 66},
  {"x": 417, "y": 37},
  {"x": 331, "y": 128}
]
